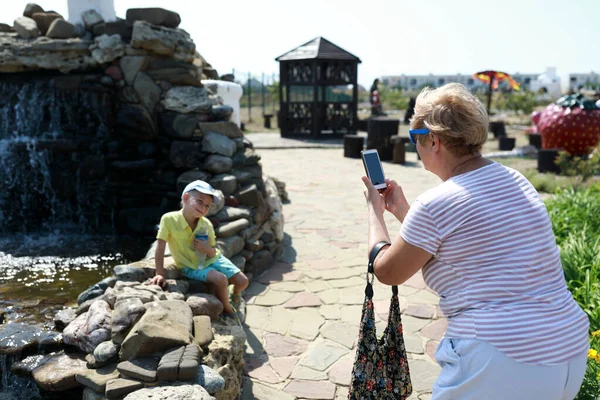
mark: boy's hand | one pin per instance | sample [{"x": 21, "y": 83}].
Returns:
[
  {"x": 158, "y": 280},
  {"x": 202, "y": 246}
]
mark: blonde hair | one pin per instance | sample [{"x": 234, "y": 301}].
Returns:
[{"x": 455, "y": 115}]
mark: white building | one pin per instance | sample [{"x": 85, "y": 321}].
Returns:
[
  {"x": 415, "y": 82},
  {"x": 548, "y": 81},
  {"x": 585, "y": 81}
]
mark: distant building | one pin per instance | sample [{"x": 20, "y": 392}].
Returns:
[
  {"x": 415, "y": 82},
  {"x": 548, "y": 82},
  {"x": 584, "y": 81}
]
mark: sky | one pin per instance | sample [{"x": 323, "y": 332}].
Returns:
[{"x": 391, "y": 37}]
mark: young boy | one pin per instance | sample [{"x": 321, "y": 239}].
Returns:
[{"x": 179, "y": 229}]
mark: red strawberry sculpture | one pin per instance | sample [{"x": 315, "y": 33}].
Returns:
[{"x": 572, "y": 123}]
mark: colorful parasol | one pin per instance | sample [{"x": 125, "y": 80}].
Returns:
[{"x": 493, "y": 78}]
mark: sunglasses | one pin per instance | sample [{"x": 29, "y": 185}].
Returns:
[{"x": 413, "y": 132}]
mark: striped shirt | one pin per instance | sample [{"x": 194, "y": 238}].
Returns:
[{"x": 496, "y": 266}]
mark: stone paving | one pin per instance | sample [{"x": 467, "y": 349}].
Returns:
[{"x": 303, "y": 314}]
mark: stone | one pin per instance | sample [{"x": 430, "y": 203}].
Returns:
[
  {"x": 165, "y": 324},
  {"x": 105, "y": 351},
  {"x": 322, "y": 356},
  {"x": 233, "y": 213},
  {"x": 225, "y": 183},
  {"x": 5, "y": 28},
  {"x": 283, "y": 366},
  {"x": 230, "y": 246},
  {"x": 61, "y": 29},
  {"x": 209, "y": 379},
  {"x": 90, "y": 328},
  {"x": 306, "y": 324},
  {"x": 32, "y": 8},
  {"x": 310, "y": 389},
  {"x": 125, "y": 315},
  {"x": 178, "y": 392},
  {"x": 221, "y": 112},
  {"x": 217, "y": 204},
  {"x": 58, "y": 371},
  {"x": 148, "y": 92},
  {"x": 64, "y": 318},
  {"x": 141, "y": 368},
  {"x": 90, "y": 394},
  {"x": 155, "y": 16},
  {"x": 134, "y": 121},
  {"x": 188, "y": 99},
  {"x": 186, "y": 154},
  {"x": 163, "y": 41},
  {"x": 250, "y": 196},
  {"x": 119, "y": 27},
  {"x": 179, "y": 126},
  {"x": 179, "y": 363},
  {"x": 283, "y": 346},
  {"x": 26, "y": 55},
  {"x": 240, "y": 262},
  {"x": 131, "y": 65},
  {"x": 129, "y": 273},
  {"x": 203, "y": 333},
  {"x": 26, "y": 366},
  {"x": 117, "y": 388},
  {"x": 340, "y": 332},
  {"x": 96, "y": 379},
  {"x": 44, "y": 19},
  {"x": 26, "y": 27},
  {"x": 91, "y": 18},
  {"x": 420, "y": 311},
  {"x": 218, "y": 144},
  {"x": 255, "y": 390},
  {"x": 303, "y": 299},
  {"x": 205, "y": 304},
  {"x": 260, "y": 261},
  {"x": 231, "y": 228},
  {"x": 254, "y": 245},
  {"x": 301, "y": 372},
  {"x": 341, "y": 372},
  {"x": 228, "y": 129},
  {"x": 187, "y": 177},
  {"x": 243, "y": 177},
  {"x": 423, "y": 374},
  {"x": 259, "y": 368},
  {"x": 245, "y": 157},
  {"x": 435, "y": 330},
  {"x": 96, "y": 290},
  {"x": 106, "y": 48}
]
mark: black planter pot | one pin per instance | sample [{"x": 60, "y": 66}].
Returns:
[
  {"x": 497, "y": 128},
  {"x": 506, "y": 143},
  {"x": 546, "y": 158},
  {"x": 535, "y": 139}
]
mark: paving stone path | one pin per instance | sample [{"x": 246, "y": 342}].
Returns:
[{"x": 303, "y": 314}]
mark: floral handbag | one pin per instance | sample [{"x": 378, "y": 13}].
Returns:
[{"x": 381, "y": 368}]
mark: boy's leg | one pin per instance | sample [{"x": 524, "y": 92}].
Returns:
[
  {"x": 220, "y": 281},
  {"x": 239, "y": 282}
]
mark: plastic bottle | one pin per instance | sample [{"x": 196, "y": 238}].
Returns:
[{"x": 201, "y": 234}]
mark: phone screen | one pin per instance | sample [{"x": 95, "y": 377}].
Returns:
[{"x": 374, "y": 167}]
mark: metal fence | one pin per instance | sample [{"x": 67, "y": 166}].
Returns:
[{"x": 260, "y": 98}]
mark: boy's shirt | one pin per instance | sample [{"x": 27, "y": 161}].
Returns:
[{"x": 175, "y": 230}]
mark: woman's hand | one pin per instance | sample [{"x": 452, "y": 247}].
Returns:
[
  {"x": 375, "y": 199},
  {"x": 395, "y": 201}
]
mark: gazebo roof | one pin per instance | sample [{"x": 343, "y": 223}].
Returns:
[{"x": 319, "y": 48}]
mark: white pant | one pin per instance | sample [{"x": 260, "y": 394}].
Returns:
[{"x": 474, "y": 369}]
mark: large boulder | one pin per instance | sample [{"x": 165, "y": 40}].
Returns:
[
  {"x": 26, "y": 28},
  {"x": 91, "y": 328},
  {"x": 45, "y": 19},
  {"x": 205, "y": 304},
  {"x": 57, "y": 373},
  {"x": 165, "y": 324},
  {"x": 218, "y": 144},
  {"x": 155, "y": 16},
  {"x": 179, "y": 392},
  {"x": 106, "y": 48},
  {"x": 61, "y": 29},
  {"x": 125, "y": 315},
  {"x": 188, "y": 99},
  {"x": 32, "y": 8},
  {"x": 163, "y": 41}
]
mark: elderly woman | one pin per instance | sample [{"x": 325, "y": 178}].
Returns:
[{"x": 484, "y": 242}]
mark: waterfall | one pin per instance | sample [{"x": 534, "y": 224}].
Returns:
[
  {"x": 13, "y": 387},
  {"x": 45, "y": 134}
]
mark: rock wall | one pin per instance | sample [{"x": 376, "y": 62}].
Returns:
[{"x": 138, "y": 124}]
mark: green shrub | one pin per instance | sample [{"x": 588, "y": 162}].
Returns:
[
  {"x": 590, "y": 388},
  {"x": 573, "y": 212},
  {"x": 580, "y": 256}
]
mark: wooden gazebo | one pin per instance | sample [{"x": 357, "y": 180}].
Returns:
[{"x": 318, "y": 91}]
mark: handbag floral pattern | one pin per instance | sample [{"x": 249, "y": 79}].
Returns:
[{"x": 381, "y": 368}]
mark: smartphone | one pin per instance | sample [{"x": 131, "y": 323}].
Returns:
[{"x": 373, "y": 168}]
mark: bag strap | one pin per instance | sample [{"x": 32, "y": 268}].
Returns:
[{"x": 370, "y": 269}]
